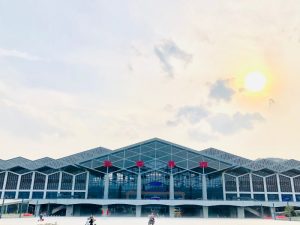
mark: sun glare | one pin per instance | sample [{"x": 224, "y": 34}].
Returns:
[{"x": 255, "y": 82}]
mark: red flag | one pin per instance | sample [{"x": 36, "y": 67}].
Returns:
[
  {"x": 171, "y": 164},
  {"x": 140, "y": 163},
  {"x": 107, "y": 163},
  {"x": 203, "y": 164}
]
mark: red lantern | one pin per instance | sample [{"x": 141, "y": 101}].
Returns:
[
  {"x": 171, "y": 164},
  {"x": 139, "y": 163},
  {"x": 203, "y": 164},
  {"x": 107, "y": 163}
]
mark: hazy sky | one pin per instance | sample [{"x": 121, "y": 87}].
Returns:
[{"x": 80, "y": 74}]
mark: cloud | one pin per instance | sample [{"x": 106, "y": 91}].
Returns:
[
  {"x": 225, "y": 124},
  {"x": 199, "y": 135},
  {"x": 220, "y": 90},
  {"x": 192, "y": 114},
  {"x": 167, "y": 50},
  {"x": 18, "y": 54}
]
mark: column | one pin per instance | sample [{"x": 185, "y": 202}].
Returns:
[
  {"x": 273, "y": 213},
  {"x": 265, "y": 189},
  {"x": 4, "y": 186},
  {"x": 171, "y": 187},
  {"x": 59, "y": 183},
  {"x": 171, "y": 211},
  {"x": 224, "y": 189},
  {"x": 18, "y": 187},
  {"x": 204, "y": 188},
  {"x": 237, "y": 187},
  {"x": 31, "y": 186},
  {"x": 240, "y": 212},
  {"x": 69, "y": 210},
  {"x": 251, "y": 185},
  {"x": 138, "y": 211},
  {"x": 104, "y": 210},
  {"x": 139, "y": 187},
  {"x": 293, "y": 189},
  {"x": 37, "y": 210},
  {"x": 205, "y": 211},
  {"x": 87, "y": 185},
  {"x": 45, "y": 188},
  {"x": 279, "y": 187},
  {"x": 73, "y": 184},
  {"x": 106, "y": 185}
]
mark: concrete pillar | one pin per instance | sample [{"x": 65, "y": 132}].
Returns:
[
  {"x": 240, "y": 212},
  {"x": 31, "y": 185},
  {"x": 171, "y": 211},
  {"x": 273, "y": 213},
  {"x": 87, "y": 185},
  {"x": 104, "y": 210},
  {"x": 171, "y": 187},
  {"x": 251, "y": 185},
  {"x": 139, "y": 187},
  {"x": 205, "y": 211},
  {"x": 138, "y": 211},
  {"x": 106, "y": 185},
  {"x": 69, "y": 210},
  {"x": 279, "y": 187},
  {"x": 204, "y": 188},
  {"x": 37, "y": 210}
]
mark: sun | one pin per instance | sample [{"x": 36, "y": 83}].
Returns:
[{"x": 255, "y": 82}]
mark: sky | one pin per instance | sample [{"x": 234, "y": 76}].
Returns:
[{"x": 77, "y": 74}]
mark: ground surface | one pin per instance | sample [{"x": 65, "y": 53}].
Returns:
[{"x": 140, "y": 221}]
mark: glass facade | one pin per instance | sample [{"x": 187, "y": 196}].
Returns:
[
  {"x": 80, "y": 181},
  {"x": 230, "y": 183},
  {"x": 122, "y": 185},
  {"x": 53, "y": 181},
  {"x": 258, "y": 183},
  {"x": 2, "y": 177},
  {"x": 26, "y": 181},
  {"x": 12, "y": 181},
  {"x": 273, "y": 197},
  {"x": 285, "y": 184},
  {"x": 244, "y": 183},
  {"x": 297, "y": 184},
  {"x": 39, "y": 181},
  {"x": 66, "y": 181},
  {"x": 155, "y": 185},
  {"x": 214, "y": 186},
  {"x": 24, "y": 195},
  {"x": 96, "y": 185},
  {"x": 271, "y": 182},
  {"x": 188, "y": 185},
  {"x": 37, "y": 195}
]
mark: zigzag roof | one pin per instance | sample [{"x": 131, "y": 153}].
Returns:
[{"x": 281, "y": 166}]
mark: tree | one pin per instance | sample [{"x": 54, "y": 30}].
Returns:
[{"x": 289, "y": 211}]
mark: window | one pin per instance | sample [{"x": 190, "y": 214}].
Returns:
[
  {"x": 80, "y": 181},
  {"x": 259, "y": 197},
  {"x": 258, "y": 183},
  {"x": 24, "y": 195},
  {"x": 272, "y": 184},
  {"x": 273, "y": 197},
  {"x": 51, "y": 195},
  {"x": 2, "y": 177},
  {"x": 244, "y": 183},
  {"x": 37, "y": 195},
  {"x": 26, "y": 180},
  {"x": 231, "y": 197},
  {"x": 53, "y": 181},
  {"x": 80, "y": 195},
  {"x": 297, "y": 184},
  {"x": 287, "y": 198},
  {"x": 230, "y": 183},
  {"x": 66, "y": 181},
  {"x": 10, "y": 194},
  {"x": 285, "y": 184},
  {"x": 12, "y": 181},
  {"x": 39, "y": 181}
]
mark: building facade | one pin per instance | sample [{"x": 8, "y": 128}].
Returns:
[{"x": 151, "y": 176}]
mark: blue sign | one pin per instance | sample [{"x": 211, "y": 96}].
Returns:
[
  {"x": 155, "y": 183},
  {"x": 287, "y": 198}
]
